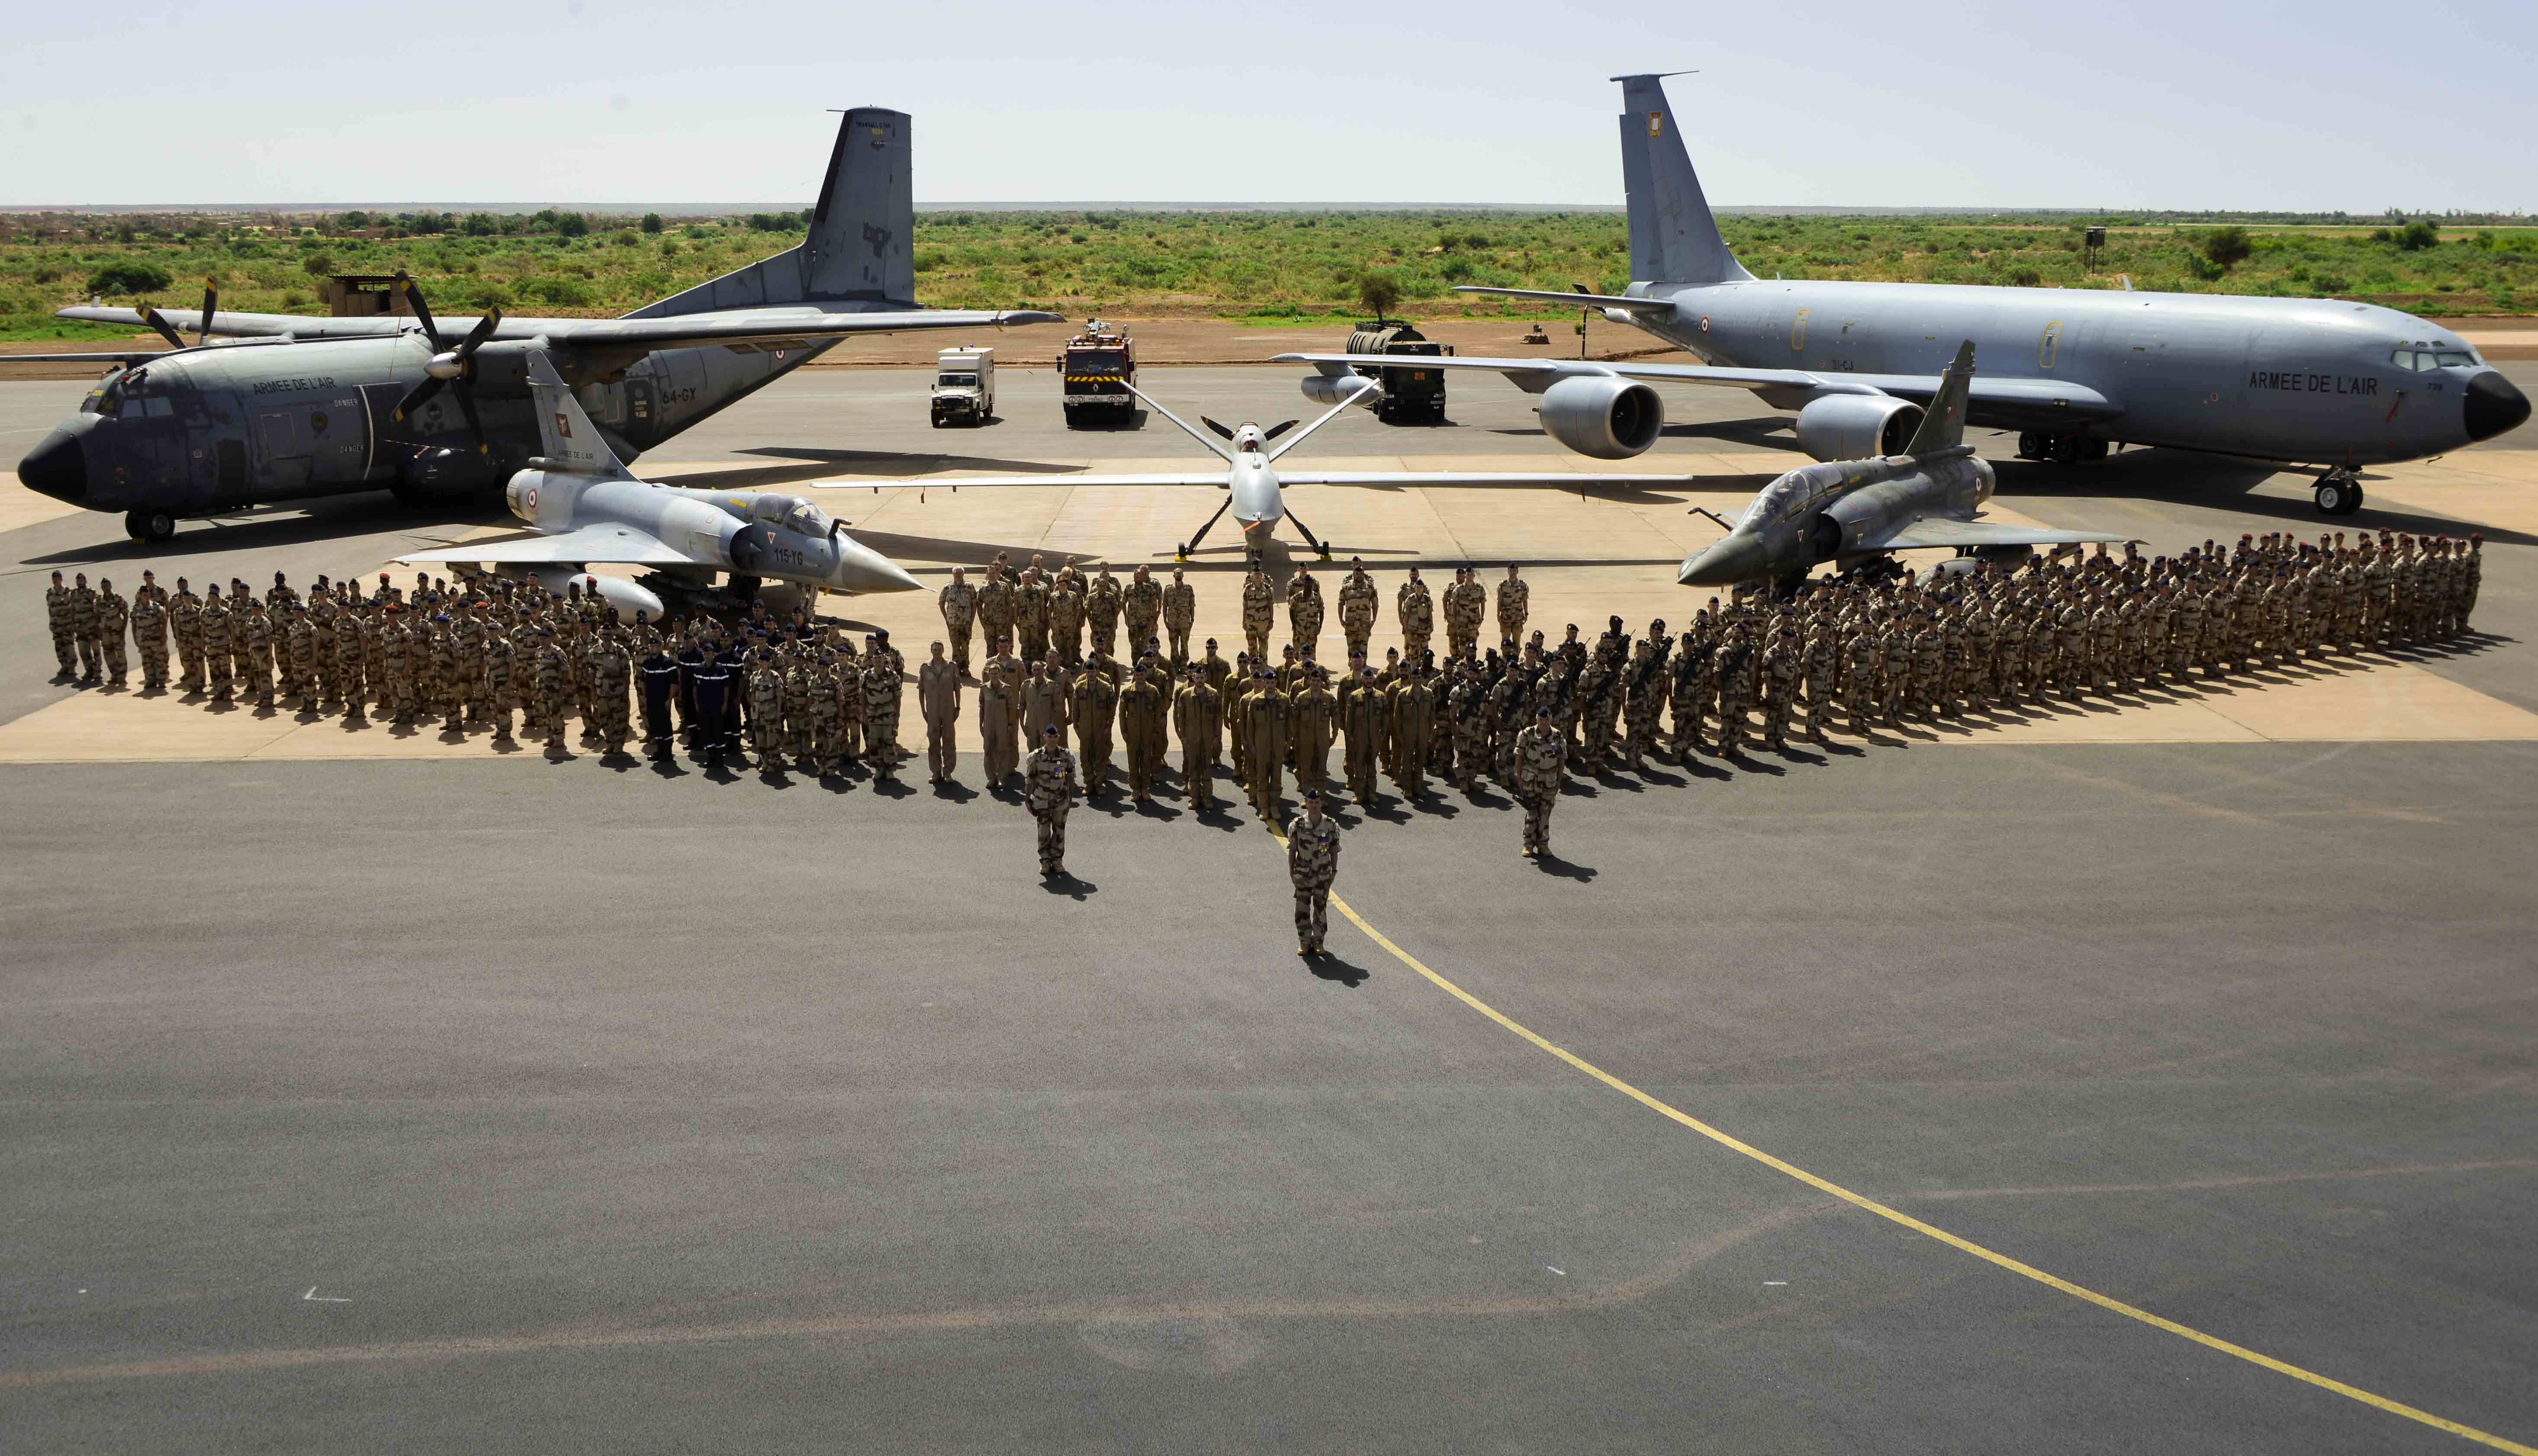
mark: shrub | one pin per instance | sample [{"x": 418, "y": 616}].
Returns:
[
  {"x": 1377, "y": 289},
  {"x": 2418, "y": 235},
  {"x": 129, "y": 276},
  {"x": 652, "y": 223},
  {"x": 2227, "y": 247},
  {"x": 571, "y": 224}
]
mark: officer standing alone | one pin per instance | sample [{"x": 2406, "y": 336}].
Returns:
[
  {"x": 1048, "y": 788},
  {"x": 1313, "y": 863}
]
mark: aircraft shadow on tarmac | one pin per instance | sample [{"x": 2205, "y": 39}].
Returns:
[
  {"x": 1761, "y": 432},
  {"x": 291, "y": 525},
  {"x": 813, "y": 462}
]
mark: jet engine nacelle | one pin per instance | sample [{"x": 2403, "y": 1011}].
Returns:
[
  {"x": 1600, "y": 415},
  {"x": 1855, "y": 426},
  {"x": 627, "y": 597},
  {"x": 1331, "y": 390}
]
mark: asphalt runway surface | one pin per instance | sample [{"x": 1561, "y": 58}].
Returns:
[{"x": 457, "y": 1104}]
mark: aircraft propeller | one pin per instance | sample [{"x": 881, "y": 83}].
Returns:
[
  {"x": 446, "y": 365},
  {"x": 158, "y": 323}
]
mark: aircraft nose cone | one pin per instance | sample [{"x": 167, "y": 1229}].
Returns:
[
  {"x": 1736, "y": 557},
  {"x": 2494, "y": 405},
  {"x": 58, "y": 467},
  {"x": 861, "y": 568}
]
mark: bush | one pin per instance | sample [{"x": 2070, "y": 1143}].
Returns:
[
  {"x": 564, "y": 293},
  {"x": 129, "y": 276},
  {"x": 571, "y": 224},
  {"x": 318, "y": 265},
  {"x": 652, "y": 223},
  {"x": 2227, "y": 246},
  {"x": 2418, "y": 235}
]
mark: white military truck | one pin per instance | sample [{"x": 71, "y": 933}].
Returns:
[{"x": 965, "y": 386}]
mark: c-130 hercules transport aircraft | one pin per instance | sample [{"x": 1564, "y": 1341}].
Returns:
[
  {"x": 328, "y": 406},
  {"x": 2306, "y": 381}
]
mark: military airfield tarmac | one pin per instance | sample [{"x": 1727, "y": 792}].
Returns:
[{"x": 2154, "y": 1076}]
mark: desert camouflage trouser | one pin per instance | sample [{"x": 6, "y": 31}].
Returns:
[
  {"x": 1053, "y": 840},
  {"x": 1312, "y": 914}
]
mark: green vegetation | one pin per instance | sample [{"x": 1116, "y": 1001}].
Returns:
[{"x": 1253, "y": 266}]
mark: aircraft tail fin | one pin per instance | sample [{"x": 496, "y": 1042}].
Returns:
[
  {"x": 567, "y": 439},
  {"x": 1673, "y": 237},
  {"x": 860, "y": 248},
  {"x": 1944, "y": 426}
]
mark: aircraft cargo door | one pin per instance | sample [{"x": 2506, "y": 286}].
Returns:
[{"x": 281, "y": 450}]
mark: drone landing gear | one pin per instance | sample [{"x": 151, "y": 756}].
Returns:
[
  {"x": 2339, "y": 492},
  {"x": 1192, "y": 544},
  {"x": 1320, "y": 547}
]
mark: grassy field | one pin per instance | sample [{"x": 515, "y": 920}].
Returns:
[{"x": 1261, "y": 265}]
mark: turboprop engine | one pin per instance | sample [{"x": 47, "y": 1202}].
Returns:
[{"x": 1607, "y": 418}]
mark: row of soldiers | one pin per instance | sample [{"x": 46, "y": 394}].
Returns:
[
  {"x": 1036, "y": 613},
  {"x": 798, "y": 692}
]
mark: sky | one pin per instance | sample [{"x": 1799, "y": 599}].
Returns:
[{"x": 2221, "y": 104}]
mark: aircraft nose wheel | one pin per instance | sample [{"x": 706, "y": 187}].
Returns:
[
  {"x": 2338, "y": 493},
  {"x": 150, "y": 525}
]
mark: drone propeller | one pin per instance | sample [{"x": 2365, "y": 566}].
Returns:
[
  {"x": 158, "y": 322},
  {"x": 446, "y": 365},
  {"x": 1279, "y": 429},
  {"x": 1219, "y": 428}
]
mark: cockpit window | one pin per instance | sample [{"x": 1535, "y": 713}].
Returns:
[
  {"x": 1778, "y": 499},
  {"x": 2422, "y": 360},
  {"x": 805, "y": 520}
]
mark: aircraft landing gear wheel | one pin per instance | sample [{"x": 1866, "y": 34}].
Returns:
[
  {"x": 2027, "y": 447},
  {"x": 744, "y": 589},
  {"x": 150, "y": 525},
  {"x": 2339, "y": 495}
]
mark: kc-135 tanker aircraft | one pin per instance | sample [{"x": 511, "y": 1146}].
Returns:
[{"x": 2307, "y": 381}]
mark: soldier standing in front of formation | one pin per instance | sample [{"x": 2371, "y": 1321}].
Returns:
[
  {"x": 1313, "y": 863},
  {"x": 958, "y": 603},
  {"x": 1198, "y": 715},
  {"x": 938, "y": 697},
  {"x": 1180, "y": 616},
  {"x": 1541, "y": 757},
  {"x": 1049, "y": 790}
]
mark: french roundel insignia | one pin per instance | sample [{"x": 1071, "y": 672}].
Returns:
[
  {"x": 1705, "y": 323},
  {"x": 533, "y": 497}
]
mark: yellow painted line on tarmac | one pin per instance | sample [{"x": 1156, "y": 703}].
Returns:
[{"x": 1955, "y": 1242}]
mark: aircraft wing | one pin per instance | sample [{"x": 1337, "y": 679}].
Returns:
[
  {"x": 2064, "y": 399},
  {"x": 1938, "y": 531},
  {"x": 735, "y": 328},
  {"x": 605, "y": 543},
  {"x": 978, "y": 482},
  {"x": 1561, "y": 479},
  {"x": 1577, "y": 300}
]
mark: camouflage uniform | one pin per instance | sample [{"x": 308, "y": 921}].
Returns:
[
  {"x": 1066, "y": 621},
  {"x": 1358, "y": 604},
  {"x": 1515, "y": 604},
  {"x": 1180, "y": 616},
  {"x": 57, "y": 616},
  {"x": 83, "y": 618},
  {"x": 881, "y": 693},
  {"x": 1141, "y": 606},
  {"x": 214, "y": 639},
  {"x": 996, "y": 611},
  {"x": 149, "y": 634},
  {"x": 1541, "y": 756},
  {"x": 1198, "y": 715},
  {"x": 554, "y": 683},
  {"x": 1048, "y": 788},
  {"x": 1260, "y": 614},
  {"x": 113, "y": 621},
  {"x": 1101, "y": 602},
  {"x": 1417, "y": 612},
  {"x": 1304, "y": 608},
  {"x": 501, "y": 673},
  {"x": 1466, "y": 603},
  {"x": 1313, "y": 863},
  {"x": 958, "y": 603},
  {"x": 1031, "y": 613}
]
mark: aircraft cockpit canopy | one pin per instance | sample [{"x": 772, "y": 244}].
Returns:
[
  {"x": 1778, "y": 499},
  {"x": 129, "y": 394},
  {"x": 793, "y": 513}
]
